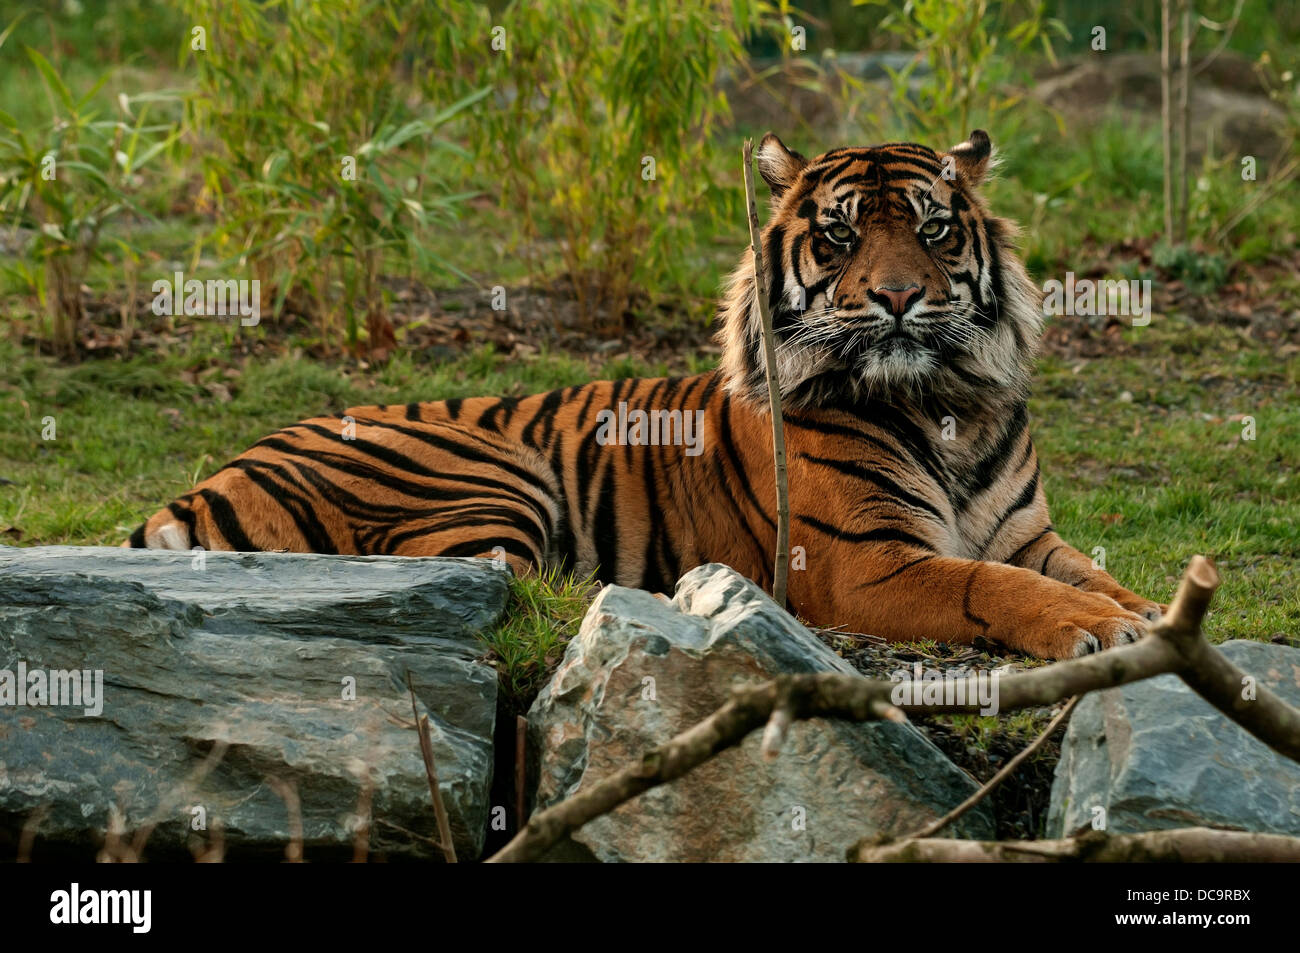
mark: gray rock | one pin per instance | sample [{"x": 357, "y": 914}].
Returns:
[
  {"x": 252, "y": 649},
  {"x": 1154, "y": 755},
  {"x": 641, "y": 670}
]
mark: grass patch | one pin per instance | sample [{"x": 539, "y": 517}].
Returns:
[{"x": 543, "y": 614}]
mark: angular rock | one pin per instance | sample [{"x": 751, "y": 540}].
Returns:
[
  {"x": 642, "y": 670},
  {"x": 1154, "y": 755},
  {"x": 252, "y": 649}
]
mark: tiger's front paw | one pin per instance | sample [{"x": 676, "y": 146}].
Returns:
[
  {"x": 1151, "y": 611},
  {"x": 1090, "y": 624}
]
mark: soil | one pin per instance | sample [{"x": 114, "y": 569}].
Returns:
[
  {"x": 1259, "y": 300},
  {"x": 1019, "y": 804}
]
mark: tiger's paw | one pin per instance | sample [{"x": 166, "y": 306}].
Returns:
[
  {"x": 1091, "y": 624},
  {"x": 1151, "y": 611}
]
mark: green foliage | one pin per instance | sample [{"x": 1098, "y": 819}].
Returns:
[
  {"x": 325, "y": 168},
  {"x": 966, "y": 83},
  {"x": 1201, "y": 272},
  {"x": 600, "y": 133},
  {"x": 66, "y": 180},
  {"x": 543, "y": 614}
]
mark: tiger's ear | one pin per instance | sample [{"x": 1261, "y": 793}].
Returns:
[
  {"x": 971, "y": 159},
  {"x": 778, "y": 166}
]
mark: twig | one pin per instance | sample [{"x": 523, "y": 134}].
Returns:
[
  {"x": 1007, "y": 770},
  {"x": 361, "y": 838},
  {"x": 1227, "y": 35},
  {"x": 1175, "y": 645},
  {"x": 28, "y": 836},
  {"x": 1262, "y": 194},
  {"x": 1184, "y": 114},
  {"x": 781, "y": 569},
  {"x": 431, "y": 773},
  {"x": 288, "y": 793},
  {"x": 521, "y": 771},
  {"x": 1167, "y": 115},
  {"x": 179, "y": 793},
  {"x": 1185, "y": 845},
  {"x": 431, "y": 841},
  {"x": 214, "y": 852}
]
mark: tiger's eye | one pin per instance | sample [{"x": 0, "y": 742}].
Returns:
[
  {"x": 840, "y": 233},
  {"x": 934, "y": 229}
]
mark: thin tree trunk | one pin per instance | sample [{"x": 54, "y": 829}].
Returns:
[
  {"x": 1184, "y": 115},
  {"x": 1167, "y": 116}
]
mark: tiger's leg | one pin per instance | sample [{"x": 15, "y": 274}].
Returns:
[
  {"x": 903, "y": 593},
  {"x": 1053, "y": 557}
]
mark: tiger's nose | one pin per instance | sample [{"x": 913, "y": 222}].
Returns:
[{"x": 898, "y": 298}]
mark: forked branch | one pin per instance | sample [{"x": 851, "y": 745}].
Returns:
[{"x": 1175, "y": 645}]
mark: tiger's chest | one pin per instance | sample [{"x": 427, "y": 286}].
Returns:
[
  {"x": 985, "y": 483},
  {"x": 958, "y": 485}
]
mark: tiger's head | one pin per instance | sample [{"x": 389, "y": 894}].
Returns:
[{"x": 887, "y": 279}]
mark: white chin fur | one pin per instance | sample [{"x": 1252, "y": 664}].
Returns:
[{"x": 897, "y": 369}]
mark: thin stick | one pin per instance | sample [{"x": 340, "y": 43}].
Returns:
[
  {"x": 431, "y": 773},
  {"x": 521, "y": 771},
  {"x": 781, "y": 570},
  {"x": 1007, "y": 770},
  {"x": 1184, "y": 114},
  {"x": 288, "y": 793},
  {"x": 361, "y": 839},
  {"x": 1183, "y": 845},
  {"x": 28, "y": 836},
  {"x": 1167, "y": 115},
  {"x": 1227, "y": 35}
]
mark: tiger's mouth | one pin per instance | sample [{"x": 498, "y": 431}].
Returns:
[
  {"x": 898, "y": 338},
  {"x": 897, "y": 358}
]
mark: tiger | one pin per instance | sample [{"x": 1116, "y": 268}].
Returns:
[{"x": 905, "y": 329}]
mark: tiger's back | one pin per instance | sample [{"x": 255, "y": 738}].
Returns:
[{"x": 615, "y": 478}]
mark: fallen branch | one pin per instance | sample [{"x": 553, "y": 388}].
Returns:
[
  {"x": 1186, "y": 845},
  {"x": 1175, "y": 645}
]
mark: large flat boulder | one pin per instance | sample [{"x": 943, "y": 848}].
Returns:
[
  {"x": 1154, "y": 755},
  {"x": 297, "y": 662},
  {"x": 641, "y": 670}
]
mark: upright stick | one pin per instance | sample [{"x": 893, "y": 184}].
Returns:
[
  {"x": 782, "y": 567},
  {"x": 1167, "y": 114}
]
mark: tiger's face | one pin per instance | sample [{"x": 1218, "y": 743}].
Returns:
[{"x": 887, "y": 278}]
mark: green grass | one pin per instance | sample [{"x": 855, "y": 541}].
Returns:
[
  {"x": 543, "y": 615},
  {"x": 1166, "y": 474}
]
